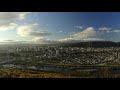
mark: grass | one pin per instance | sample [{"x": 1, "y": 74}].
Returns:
[
  {"x": 15, "y": 73},
  {"x": 100, "y": 72}
]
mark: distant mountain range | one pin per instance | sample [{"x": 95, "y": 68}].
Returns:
[
  {"x": 75, "y": 44},
  {"x": 92, "y": 44}
]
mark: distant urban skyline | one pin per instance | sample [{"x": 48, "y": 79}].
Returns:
[{"x": 49, "y": 27}]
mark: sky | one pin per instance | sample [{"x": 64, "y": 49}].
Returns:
[{"x": 49, "y": 27}]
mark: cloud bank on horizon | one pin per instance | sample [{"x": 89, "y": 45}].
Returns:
[{"x": 51, "y": 27}]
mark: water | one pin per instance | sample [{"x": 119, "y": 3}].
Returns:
[
  {"x": 116, "y": 71},
  {"x": 56, "y": 69}
]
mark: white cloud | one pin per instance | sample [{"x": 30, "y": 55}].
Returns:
[
  {"x": 31, "y": 30},
  {"x": 84, "y": 39},
  {"x": 42, "y": 40},
  {"x": 10, "y": 17},
  {"x": 8, "y": 27},
  {"x": 108, "y": 31},
  {"x": 79, "y": 27},
  {"x": 36, "y": 39},
  {"x": 104, "y": 28},
  {"x": 22, "y": 15},
  {"x": 71, "y": 33},
  {"x": 60, "y": 31},
  {"x": 93, "y": 39},
  {"x": 66, "y": 39},
  {"x": 7, "y": 41},
  {"x": 87, "y": 33},
  {"x": 116, "y": 30}
]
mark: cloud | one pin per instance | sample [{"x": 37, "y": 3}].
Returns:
[
  {"x": 116, "y": 30},
  {"x": 104, "y": 29},
  {"x": 93, "y": 39},
  {"x": 8, "y": 27},
  {"x": 87, "y": 33},
  {"x": 66, "y": 39},
  {"x": 31, "y": 30},
  {"x": 107, "y": 30},
  {"x": 84, "y": 39},
  {"x": 8, "y": 40},
  {"x": 10, "y": 17},
  {"x": 38, "y": 39},
  {"x": 42, "y": 40},
  {"x": 79, "y": 27},
  {"x": 60, "y": 31},
  {"x": 71, "y": 33}
]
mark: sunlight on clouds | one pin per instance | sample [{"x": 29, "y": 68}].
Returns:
[
  {"x": 26, "y": 26},
  {"x": 87, "y": 34},
  {"x": 23, "y": 15},
  {"x": 31, "y": 30},
  {"x": 8, "y": 27},
  {"x": 36, "y": 39},
  {"x": 8, "y": 19},
  {"x": 42, "y": 40},
  {"x": 3, "y": 39}
]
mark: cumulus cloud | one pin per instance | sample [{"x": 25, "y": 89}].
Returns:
[
  {"x": 104, "y": 28},
  {"x": 9, "y": 17},
  {"x": 31, "y": 30},
  {"x": 87, "y": 34},
  {"x": 8, "y": 27}
]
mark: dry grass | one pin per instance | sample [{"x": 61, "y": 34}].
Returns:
[{"x": 14, "y": 73}]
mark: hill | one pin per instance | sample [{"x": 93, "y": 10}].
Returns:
[{"x": 92, "y": 44}]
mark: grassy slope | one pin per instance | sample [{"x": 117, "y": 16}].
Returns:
[
  {"x": 103, "y": 72},
  {"x": 15, "y": 73}
]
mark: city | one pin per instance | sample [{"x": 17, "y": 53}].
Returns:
[
  {"x": 60, "y": 44},
  {"x": 58, "y": 55}
]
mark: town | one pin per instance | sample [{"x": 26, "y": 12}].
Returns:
[{"x": 58, "y": 55}]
